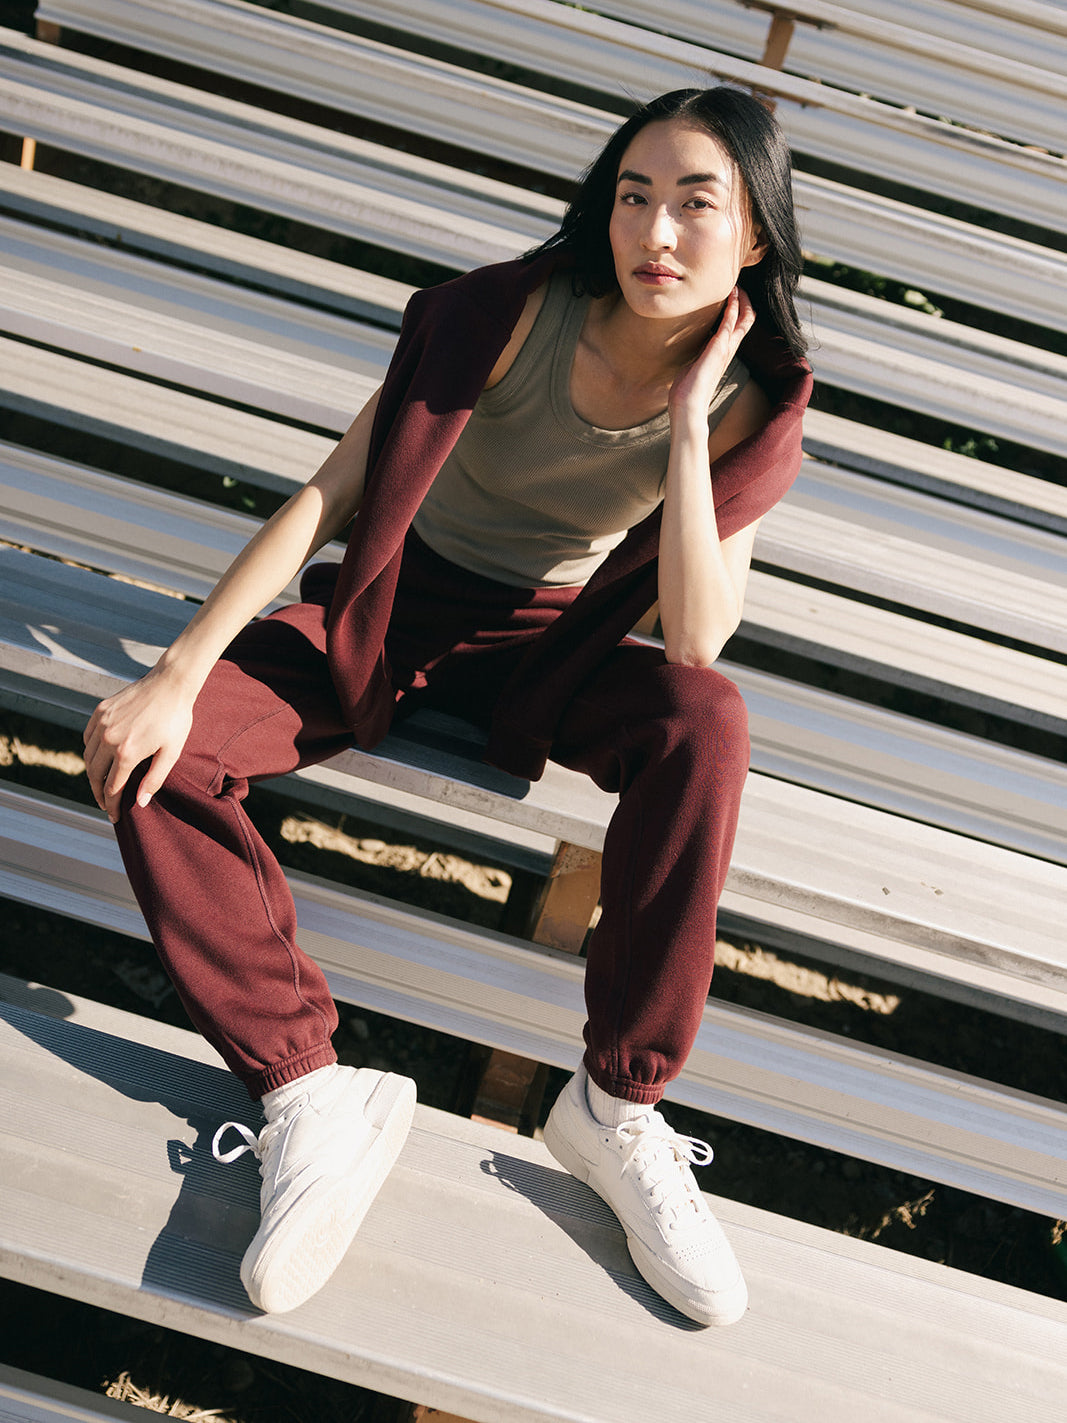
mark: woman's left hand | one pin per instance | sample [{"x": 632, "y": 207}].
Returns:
[{"x": 694, "y": 388}]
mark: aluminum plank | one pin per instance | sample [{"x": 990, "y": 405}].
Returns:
[
  {"x": 921, "y": 552},
  {"x": 855, "y": 865},
  {"x": 271, "y": 454},
  {"x": 1013, "y": 26},
  {"x": 175, "y": 424},
  {"x": 193, "y": 331},
  {"x": 865, "y": 54},
  {"x": 67, "y": 628},
  {"x": 30, "y": 1398},
  {"x": 247, "y": 155},
  {"x": 893, "y": 353},
  {"x": 156, "y": 232},
  {"x": 476, "y": 1245},
  {"x": 315, "y": 367},
  {"x": 931, "y": 252},
  {"x": 899, "y": 460},
  {"x": 936, "y": 661},
  {"x": 859, "y": 228},
  {"x": 503, "y": 992},
  {"x": 120, "y": 526},
  {"x": 1013, "y": 52},
  {"x": 521, "y": 126}
]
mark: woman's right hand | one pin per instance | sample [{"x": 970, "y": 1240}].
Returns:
[{"x": 149, "y": 719}]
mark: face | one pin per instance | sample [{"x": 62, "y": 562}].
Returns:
[{"x": 681, "y": 228}]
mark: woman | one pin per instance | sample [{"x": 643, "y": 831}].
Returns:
[{"x": 559, "y": 443}]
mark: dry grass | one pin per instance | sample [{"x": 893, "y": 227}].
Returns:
[
  {"x": 126, "y": 1391},
  {"x": 13, "y": 750},
  {"x": 487, "y": 882},
  {"x": 800, "y": 979}
]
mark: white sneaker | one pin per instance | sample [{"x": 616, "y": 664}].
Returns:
[
  {"x": 323, "y": 1159},
  {"x": 641, "y": 1169}
]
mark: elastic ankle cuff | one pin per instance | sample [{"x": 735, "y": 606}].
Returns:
[
  {"x": 640, "y": 1093},
  {"x": 268, "y": 1078}
]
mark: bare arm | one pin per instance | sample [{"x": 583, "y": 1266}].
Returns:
[
  {"x": 152, "y": 717},
  {"x": 702, "y": 578}
]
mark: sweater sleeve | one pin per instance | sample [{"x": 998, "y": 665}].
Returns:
[{"x": 450, "y": 339}]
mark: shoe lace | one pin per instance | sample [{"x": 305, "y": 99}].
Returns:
[
  {"x": 250, "y": 1142},
  {"x": 661, "y": 1158},
  {"x": 263, "y": 1147}
]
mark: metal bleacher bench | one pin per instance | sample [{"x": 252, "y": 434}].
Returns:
[
  {"x": 447, "y": 102},
  {"x": 485, "y": 1280},
  {"x": 274, "y": 355},
  {"x": 29, "y": 1398},
  {"x": 937, "y": 368},
  {"x": 845, "y": 1329},
  {"x": 249, "y": 155},
  {"x": 185, "y": 242},
  {"x": 496, "y": 990}
]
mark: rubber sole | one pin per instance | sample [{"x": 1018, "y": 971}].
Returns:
[{"x": 729, "y": 1307}]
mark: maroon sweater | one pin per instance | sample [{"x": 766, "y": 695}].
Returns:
[{"x": 451, "y": 339}]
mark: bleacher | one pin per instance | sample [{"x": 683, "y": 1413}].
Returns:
[{"x": 895, "y": 574}]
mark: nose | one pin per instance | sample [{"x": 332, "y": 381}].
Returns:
[{"x": 659, "y": 234}]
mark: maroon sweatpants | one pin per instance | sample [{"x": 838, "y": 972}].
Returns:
[{"x": 671, "y": 740}]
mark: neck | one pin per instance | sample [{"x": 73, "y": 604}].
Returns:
[{"x": 642, "y": 350}]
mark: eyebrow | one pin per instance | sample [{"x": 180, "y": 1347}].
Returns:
[{"x": 690, "y": 180}]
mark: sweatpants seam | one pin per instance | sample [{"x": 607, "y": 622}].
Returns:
[
  {"x": 635, "y": 838},
  {"x": 253, "y": 856},
  {"x": 221, "y": 772}
]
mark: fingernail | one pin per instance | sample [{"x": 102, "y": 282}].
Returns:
[{"x": 143, "y": 799}]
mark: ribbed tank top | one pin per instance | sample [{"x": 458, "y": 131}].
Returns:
[{"x": 531, "y": 494}]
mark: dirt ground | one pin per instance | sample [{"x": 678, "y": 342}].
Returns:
[{"x": 187, "y": 1379}]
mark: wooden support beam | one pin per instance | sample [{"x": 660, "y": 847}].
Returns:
[
  {"x": 509, "y": 1093},
  {"x": 566, "y": 905},
  {"x": 778, "y": 39},
  {"x": 48, "y": 32}
]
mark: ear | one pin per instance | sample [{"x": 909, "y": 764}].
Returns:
[{"x": 757, "y": 248}]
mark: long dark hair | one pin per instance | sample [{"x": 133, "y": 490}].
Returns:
[{"x": 755, "y": 142}]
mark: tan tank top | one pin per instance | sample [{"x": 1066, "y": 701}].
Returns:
[{"x": 531, "y": 494}]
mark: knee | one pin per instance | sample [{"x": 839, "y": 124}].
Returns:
[
  {"x": 702, "y": 697},
  {"x": 705, "y": 718}
]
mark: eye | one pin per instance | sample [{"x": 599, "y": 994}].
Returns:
[
  {"x": 700, "y": 204},
  {"x": 632, "y": 200}
]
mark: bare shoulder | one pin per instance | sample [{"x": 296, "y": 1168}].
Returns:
[
  {"x": 748, "y": 413},
  {"x": 522, "y": 329}
]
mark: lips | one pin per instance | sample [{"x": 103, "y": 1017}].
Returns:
[{"x": 656, "y": 274}]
